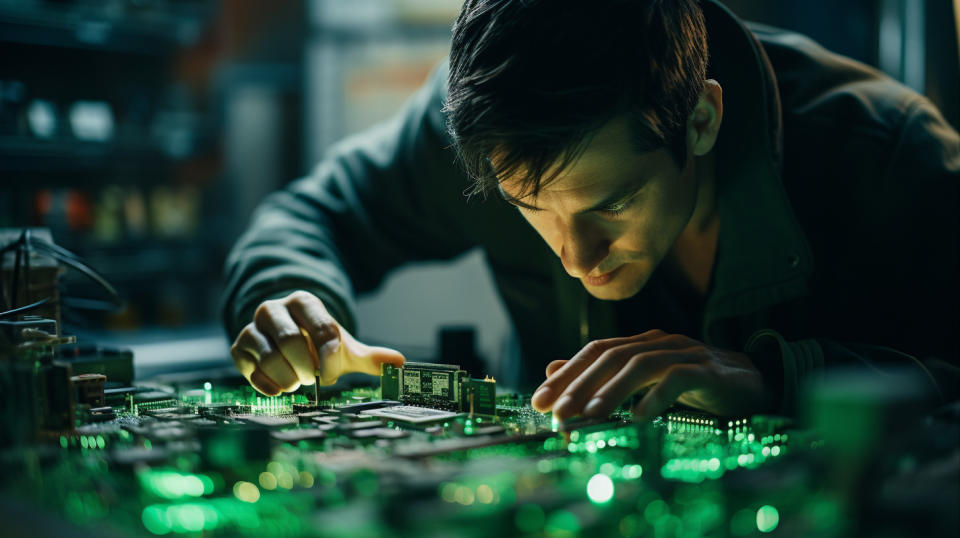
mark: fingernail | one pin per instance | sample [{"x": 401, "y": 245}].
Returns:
[
  {"x": 561, "y": 404},
  {"x": 592, "y": 407},
  {"x": 540, "y": 396}
]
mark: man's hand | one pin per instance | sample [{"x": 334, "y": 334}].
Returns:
[
  {"x": 294, "y": 340},
  {"x": 673, "y": 367}
]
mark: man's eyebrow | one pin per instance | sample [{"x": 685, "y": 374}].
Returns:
[
  {"x": 514, "y": 201},
  {"x": 609, "y": 200}
]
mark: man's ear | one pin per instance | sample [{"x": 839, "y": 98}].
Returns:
[{"x": 703, "y": 125}]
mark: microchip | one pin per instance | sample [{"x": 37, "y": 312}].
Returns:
[
  {"x": 296, "y": 435},
  {"x": 366, "y": 406},
  {"x": 409, "y": 413},
  {"x": 381, "y": 433},
  {"x": 268, "y": 420},
  {"x": 354, "y": 426}
]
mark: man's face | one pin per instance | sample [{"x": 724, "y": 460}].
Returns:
[{"x": 613, "y": 215}]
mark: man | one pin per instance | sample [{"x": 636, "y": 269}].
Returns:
[{"x": 711, "y": 232}]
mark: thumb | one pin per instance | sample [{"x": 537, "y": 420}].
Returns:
[{"x": 359, "y": 357}]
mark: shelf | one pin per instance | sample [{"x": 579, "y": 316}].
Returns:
[
  {"x": 25, "y": 154},
  {"x": 106, "y": 28}
]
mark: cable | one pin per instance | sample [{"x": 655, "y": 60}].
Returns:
[
  {"x": 23, "y": 246},
  {"x": 22, "y": 309}
]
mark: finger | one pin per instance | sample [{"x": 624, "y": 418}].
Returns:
[
  {"x": 359, "y": 357},
  {"x": 273, "y": 320},
  {"x": 677, "y": 380},
  {"x": 373, "y": 359},
  {"x": 555, "y": 365},
  {"x": 558, "y": 385},
  {"x": 243, "y": 360},
  {"x": 322, "y": 333},
  {"x": 246, "y": 352},
  {"x": 614, "y": 361},
  {"x": 640, "y": 371},
  {"x": 548, "y": 392},
  {"x": 269, "y": 360},
  {"x": 309, "y": 313},
  {"x": 263, "y": 383},
  {"x": 580, "y": 390}
]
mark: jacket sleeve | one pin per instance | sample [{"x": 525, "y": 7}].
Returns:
[
  {"x": 377, "y": 200},
  {"x": 919, "y": 275}
]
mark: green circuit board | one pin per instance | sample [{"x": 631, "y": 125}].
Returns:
[{"x": 205, "y": 460}]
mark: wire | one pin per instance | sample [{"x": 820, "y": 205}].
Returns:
[
  {"x": 23, "y": 309},
  {"x": 23, "y": 246}
]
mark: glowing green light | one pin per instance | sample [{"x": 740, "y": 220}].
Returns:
[
  {"x": 154, "y": 518},
  {"x": 207, "y": 386},
  {"x": 101, "y": 442},
  {"x": 563, "y": 523},
  {"x": 530, "y": 518},
  {"x": 63, "y": 441},
  {"x": 600, "y": 488},
  {"x": 246, "y": 492},
  {"x": 767, "y": 518},
  {"x": 775, "y": 451}
]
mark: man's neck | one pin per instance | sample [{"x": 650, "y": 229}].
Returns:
[{"x": 694, "y": 252}]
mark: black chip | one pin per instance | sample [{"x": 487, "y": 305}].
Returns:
[{"x": 296, "y": 435}]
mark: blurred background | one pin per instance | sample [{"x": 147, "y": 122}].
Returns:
[{"x": 143, "y": 133}]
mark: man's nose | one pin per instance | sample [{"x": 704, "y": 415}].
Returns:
[{"x": 584, "y": 247}]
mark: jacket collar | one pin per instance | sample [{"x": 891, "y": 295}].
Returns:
[{"x": 763, "y": 257}]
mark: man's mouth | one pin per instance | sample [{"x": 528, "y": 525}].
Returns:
[{"x": 601, "y": 279}]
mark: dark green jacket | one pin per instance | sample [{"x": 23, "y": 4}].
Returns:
[{"x": 837, "y": 191}]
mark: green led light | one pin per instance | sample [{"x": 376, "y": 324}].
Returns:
[
  {"x": 600, "y": 488},
  {"x": 246, "y": 492},
  {"x": 207, "y": 386},
  {"x": 767, "y": 518},
  {"x": 563, "y": 523},
  {"x": 530, "y": 518},
  {"x": 154, "y": 518},
  {"x": 63, "y": 441}
]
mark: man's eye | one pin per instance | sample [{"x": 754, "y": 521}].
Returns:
[{"x": 615, "y": 209}]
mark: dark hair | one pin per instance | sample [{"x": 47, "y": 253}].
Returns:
[{"x": 532, "y": 80}]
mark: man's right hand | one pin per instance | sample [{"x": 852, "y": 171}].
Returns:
[{"x": 293, "y": 341}]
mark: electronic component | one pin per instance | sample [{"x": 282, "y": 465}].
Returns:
[
  {"x": 412, "y": 414},
  {"x": 440, "y": 386}
]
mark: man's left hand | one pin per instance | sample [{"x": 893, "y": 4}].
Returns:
[{"x": 673, "y": 367}]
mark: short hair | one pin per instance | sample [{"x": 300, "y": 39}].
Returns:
[{"x": 532, "y": 80}]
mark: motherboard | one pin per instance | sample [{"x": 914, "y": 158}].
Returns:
[{"x": 426, "y": 451}]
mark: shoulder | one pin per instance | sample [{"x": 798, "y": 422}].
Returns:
[{"x": 820, "y": 88}]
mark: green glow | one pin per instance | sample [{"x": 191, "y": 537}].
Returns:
[
  {"x": 600, "y": 489},
  {"x": 632, "y": 471},
  {"x": 563, "y": 523},
  {"x": 207, "y": 386},
  {"x": 246, "y": 492},
  {"x": 101, "y": 442},
  {"x": 767, "y": 518},
  {"x": 188, "y": 516},
  {"x": 174, "y": 485},
  {"x": 530, "y": 518},
  {"x": 655, "y": 510},
  {"x": 154, "y": 518},
  {"x": 63, "y": 441}
]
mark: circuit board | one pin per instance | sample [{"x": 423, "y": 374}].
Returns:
[{"x": 199, "y": 459}]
